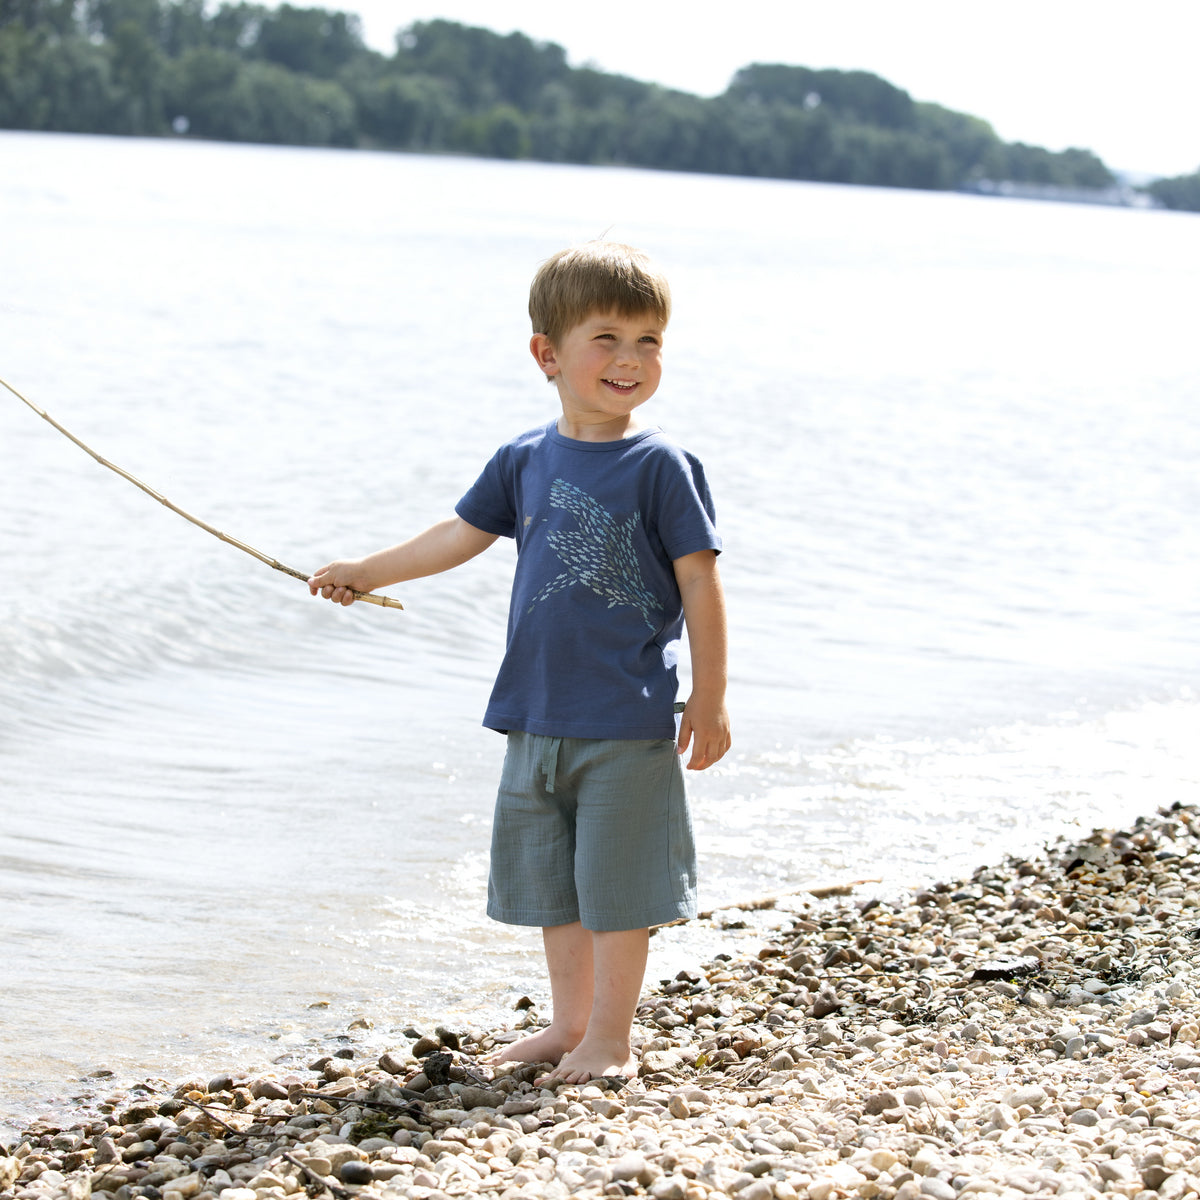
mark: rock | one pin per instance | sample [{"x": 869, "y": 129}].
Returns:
[
  {"x": 825, "y": 1003},
  {"x": 1030, "y": 1096},
  {"x": 926, "y": 1161},
  {"x": 1117, "y": 1170},
  {"x": 338, "y": 1155},
  {"x": 268, "y": 1089},
  {"x": 392, "y": 1063},
  {"x": 479, "y": 1097},
  {"x": 437, "y": 1068},
  {"x": 1007, "y": 968},
  {"x": 936, "y": 1189},
  {"x": 760, "y": 1189},
  {"x": 669, "y": 1187},
  {"x": 879, "y": 1102},
  {"x": 630, "y": 1168},
  {"x": 355, "y": 1172},
  {"x": 742, "y": 1098},
  {"x": 930, "y": 1097},
  {"x": 106, "y": 1152},
  {"x": 1143, "y": 1016}
]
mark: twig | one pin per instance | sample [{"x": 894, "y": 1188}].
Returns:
[
  {"x": 211, "y": 1113},
  {"x": 407, "y": 1108},
  {"x": 320, "y": 1180},
  {"x": 275, "y": 564}
]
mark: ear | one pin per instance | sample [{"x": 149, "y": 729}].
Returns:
[{"x": 543, "y": 354}]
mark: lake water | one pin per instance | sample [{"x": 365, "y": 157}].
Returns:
[{"x": 954, "y": 445}]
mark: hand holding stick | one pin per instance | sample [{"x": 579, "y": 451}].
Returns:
[{"x": 275, "y": 564}]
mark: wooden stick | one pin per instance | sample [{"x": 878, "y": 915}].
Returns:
[
  {"x": 275, "y": 564},
  {"x": 318, "y": 1180}
]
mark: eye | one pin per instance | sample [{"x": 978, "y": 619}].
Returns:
[{"x": 651, "y": 338}]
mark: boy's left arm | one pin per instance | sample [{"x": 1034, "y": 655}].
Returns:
[{"x": 705, "y": 721}]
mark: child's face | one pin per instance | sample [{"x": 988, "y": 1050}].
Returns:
[{"x": 605, "y": 367}]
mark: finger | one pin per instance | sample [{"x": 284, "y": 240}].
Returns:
[{"x": 685, "y": 736}]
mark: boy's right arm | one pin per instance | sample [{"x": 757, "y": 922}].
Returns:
[{"x": 441, "y": 547}]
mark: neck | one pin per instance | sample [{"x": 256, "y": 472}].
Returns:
[{"x": 612, "y": 429}]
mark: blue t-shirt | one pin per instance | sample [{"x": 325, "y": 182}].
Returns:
[{"x": 595, "y": 618}]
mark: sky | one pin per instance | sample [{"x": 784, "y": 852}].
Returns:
[{"x": 1118, "y": 77}]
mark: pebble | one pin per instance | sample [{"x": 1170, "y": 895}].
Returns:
[{"x": 1033, "y": 1030}]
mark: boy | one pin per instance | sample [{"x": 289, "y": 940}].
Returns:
[{"x": 616, "y": 548}]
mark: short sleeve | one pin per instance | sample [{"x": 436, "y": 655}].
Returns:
[
  {"x": 686, "y": 515},
  {"x": 490, "y": 503}
]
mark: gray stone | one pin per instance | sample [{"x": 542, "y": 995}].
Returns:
[
  {"x": 1143, "y": 1016},
  {"x": 478, "y": 1097},
  {"x": 355, "y": 1172}
]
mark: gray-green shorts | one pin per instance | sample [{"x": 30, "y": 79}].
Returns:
[{"x": 591, "y": 830}]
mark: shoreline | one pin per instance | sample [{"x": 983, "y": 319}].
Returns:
[{"x": 1033, "y": 1029}]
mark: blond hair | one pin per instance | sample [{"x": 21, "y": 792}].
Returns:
[{"x": 596, "y": 277}]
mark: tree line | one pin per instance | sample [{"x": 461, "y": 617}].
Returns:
[{"x": 303, "y": 76}]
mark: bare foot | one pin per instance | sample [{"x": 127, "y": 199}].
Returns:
[
  {"x": 546, "y": 1046},
  {"x": 592, "y": 1059}
]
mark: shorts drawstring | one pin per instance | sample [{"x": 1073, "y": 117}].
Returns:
[{"x": 548, "y": 763}]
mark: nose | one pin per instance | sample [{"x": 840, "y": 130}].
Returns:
[{"x": 627, "y": 354}]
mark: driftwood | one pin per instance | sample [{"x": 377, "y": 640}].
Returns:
[{"x": 274, "y": 564}]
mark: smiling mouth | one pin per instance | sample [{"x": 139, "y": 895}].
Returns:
[{"x": 622, "y": 385}]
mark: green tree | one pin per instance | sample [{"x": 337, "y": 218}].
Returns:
[
  {"x": 309, "y": 41},
  {"x": 47, "y": 16},
  {"x": 668, "y": 130},
  {"x": 1081, "y": 168},
  {"x": 102, "y": 18},
  {"x": 139, "y": 71},
  {"x": 967, "y": 140},
  {"x": 55, "y": 84},
  {"x": 405, "y": 112},
  {"x": 485, "y": 67},
  {"x": 184, "y": 25},
  {"x": 202, "y": 92},
  {"x": 235, "y": 27},
  {"x": 857, "y": 96},
  {"x": 1182, "y": 192},
  {"x": 500, "y": 132}
]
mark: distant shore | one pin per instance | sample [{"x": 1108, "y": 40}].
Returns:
[{"x": 1032, "y": 1030}]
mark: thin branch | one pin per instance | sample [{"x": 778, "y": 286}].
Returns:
[
  {"x": 320, "y": 1180},
  {"x": 406, "y": 1108},
  {"x": 275, "y": 564}
]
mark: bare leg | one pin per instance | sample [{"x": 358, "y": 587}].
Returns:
[
  {"x": 569, "y": 961},
  {"x": 618, "y": 970}
]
